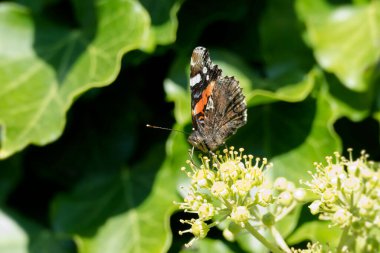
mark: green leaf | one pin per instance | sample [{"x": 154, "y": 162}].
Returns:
[
  {"x": 292, "y": 135},
  {"x": 127, "y": 212},
  {"x": 347, "y": 103},
  {"x": 10, "y": 172},
  {"x": 250, "y": 244},
  {"x": 273, "y": 91},
  {"x": 164, "y": 19},
  {"x": 13, "y": 238},
  {"x": 18, "y": 235},
  {"x": 208, "y": 245},
  {"x": 287, "y": 225},
  {"x": 319, "y": 139},
  {"x": 345, "y": 39},
  {"x": 44, "y": 66},
  {"x": 316, "y": 231},
  {"x": 181, "y": 98},
  {"x": 286, "y": 57}
]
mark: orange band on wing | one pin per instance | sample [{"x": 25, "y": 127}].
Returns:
[{"x": 199, "y": 107}]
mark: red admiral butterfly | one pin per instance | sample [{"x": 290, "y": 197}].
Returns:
[{"x": 218, "y": 106}]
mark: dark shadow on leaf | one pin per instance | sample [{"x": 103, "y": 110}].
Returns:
[
  {"x": 10, "y": 173},
  {"x": 276, "y": 128},
  {"x": 159, "y": 11},
  {"x": 359, "y": 101},
  {"x": 61, "y": 40},
  {"x": 102, "y": 196},
  {"x": 196, "y": 15},
  {"x": 40, "y": 239},
  {"x": 360, "y": 135}
]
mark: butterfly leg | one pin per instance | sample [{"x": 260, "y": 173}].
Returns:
[{"x": 191, "y": 154}]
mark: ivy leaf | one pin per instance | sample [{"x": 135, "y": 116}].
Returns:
[
  {"x": 45, "y": 66},
  {"x": 319, "y": 139},
  {"x": 164, "y": 21},
  {"x": 345, "y": 39},
  {"x": 316, "y": 231},
  {"x": 286, "y": 57},
  {"x": 20, "y": 235},
  {"x": 127, "y": 212},
  {"x": 208, "y": 245},
  {"x": 10, "y": 172}
]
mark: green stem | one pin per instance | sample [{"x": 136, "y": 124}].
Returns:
[
  {"x": 280, "y": 241},
  {"x": 286, "y": 212},
  {"x": 343, "y": 240},
  {"x": 261, "y": 238}
]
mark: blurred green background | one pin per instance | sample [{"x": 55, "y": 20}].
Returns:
[{"x": 80, "y": 79}]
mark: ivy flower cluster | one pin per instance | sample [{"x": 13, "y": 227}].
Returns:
[
  {"x": 348, "y": 193},
  {"x": 231, "y": 187},
  {"x": 312, "y": 248}
]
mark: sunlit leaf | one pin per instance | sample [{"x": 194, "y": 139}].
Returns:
[
  {"x": 208, "y": 245},
  {"x": 44, "y": 66},
  {"x": 18, "y": 235},
  {"x": 316, "y": 231},
  {"x": 345, "y": 39},
  {"x": 164, "y": 21},
  {"x": 249, "y": 243}
]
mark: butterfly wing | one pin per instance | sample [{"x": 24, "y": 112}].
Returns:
[
  {"x": 227, "y": 111},
  {"x": 203, "y": 77},
  {"x": 218, "y": 104}
]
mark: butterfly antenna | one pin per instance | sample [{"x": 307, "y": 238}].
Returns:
[{"x": 167, "y": 129}]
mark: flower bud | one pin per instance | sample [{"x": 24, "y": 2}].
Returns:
[
  {"x": 228, "y": 235},
  {"x": 365, "y": 202},
  {"x": 299, "y": 194},
  {"x": 342, "y": 217},
  {"x": 280, "y": 184},
  {"x": 268, "y": 219},
  {"x": 351, "y": 184},
  {"x": 229, "y": 169},
  {"x": 240, "y": 214},
  {"x": 285, "y": 198},
  {"x": 219, "y": 188},
  {"x": 199, "y": 229},
  {"x": 206, "y": 211},
  {"x": 329, "y": 196},
  {"x": 315, "y": 207},
  {"x": 241, "y": 187},
  {"x": 265, "y": 197}
]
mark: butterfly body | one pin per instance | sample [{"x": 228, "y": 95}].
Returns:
[{"x": 218, "y": 106}]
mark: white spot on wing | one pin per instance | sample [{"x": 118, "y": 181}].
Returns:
[
  {"x": 204, "y": 70},
  {"x": 195, "y": 79},
  {"x": 210, "y": 104}
]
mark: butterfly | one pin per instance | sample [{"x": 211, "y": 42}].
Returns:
[{"x": 218, "y": 106}]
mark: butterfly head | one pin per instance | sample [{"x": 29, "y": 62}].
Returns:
[{"x": 198, "y": 141}]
